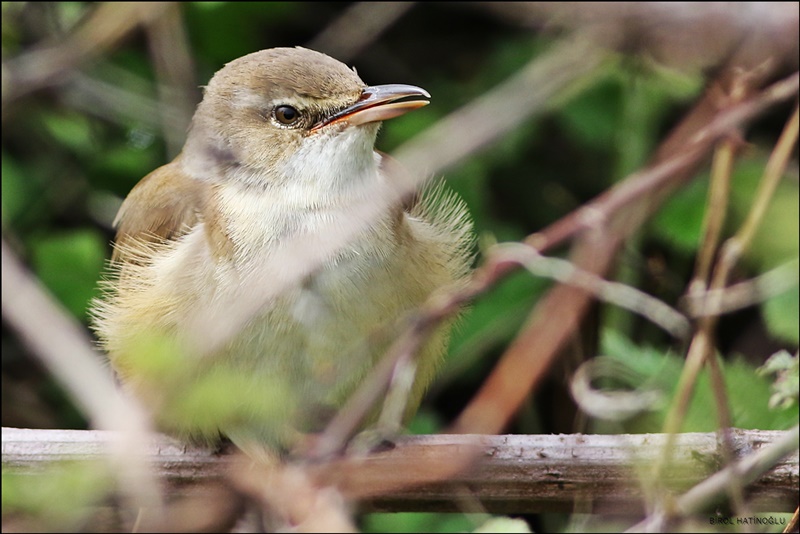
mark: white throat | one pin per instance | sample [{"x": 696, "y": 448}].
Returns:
[{"x": 314, "y": 193}]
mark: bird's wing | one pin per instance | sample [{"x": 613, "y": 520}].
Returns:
[{"x": 162, "y": 207}]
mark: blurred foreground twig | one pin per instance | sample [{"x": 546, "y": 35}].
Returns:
[{"x": 67, "y": 352}]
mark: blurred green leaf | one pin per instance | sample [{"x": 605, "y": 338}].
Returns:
[
  {"x": 777, "y": 239},
  {"x": 748, "y": 393},
  {"x": 492, "y": 321},
  {"x": 416, "y": 522},
  {"x": 593, "y": 116},
  {"x": 401, "y": 129},
  {"x": 226, "y": 397},
  {"x": 16, "y": 191},
  {"x": 425, "y": 421},
  {"x": 749, "y": 396},
  {"x": 58, "y": 498},
  {"x": 782, "y": 315},
  {"x": 250, "y": 22},
  {"x": 680, "y": 221},
  {"x": 649, "y": 95},
  {"x": 125, "y": 161},
  {"x": 71, "y": 130},
  {"x": 69, "y": 264}
]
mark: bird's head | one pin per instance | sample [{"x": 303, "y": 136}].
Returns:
[{"x": 291, "y": 115}]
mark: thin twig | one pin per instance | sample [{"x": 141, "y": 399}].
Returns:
[
  {"x": 358, "y": 27},
  {"x": 63, "y": 347},
  {"x": 630, "y": 298},
  {"x": 743, "y": 294},
  {"x": 47, "y": 64},
  {"x": 177, "y": 88}
]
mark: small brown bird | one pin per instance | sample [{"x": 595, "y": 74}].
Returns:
[{"x": 258, "y": 277}]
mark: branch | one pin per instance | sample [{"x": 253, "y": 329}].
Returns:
[{"x": 514, "y": 474}]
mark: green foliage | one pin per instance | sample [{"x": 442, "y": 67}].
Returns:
[
  {"x": 778, "y": 237},
  {"x": 491, "y": 322},
  {"x": 198, "y": 397},
  {"x": 16, "y": 192},
  {"x": 248, "y": 22},
  {"x": 423, "y": 522},
  {"x": 425, "y": 421},
  {"x": 781, "y": 315},
  {"x": 416, "y": 522},
  {"x": 123, "y": 160},
  {"x": 680, "y": 222},
  {"x": 57, "y": 499},
  {"x": 69, "y": 264},
  {"x": 786, "y": 369},
  {"x": 592, "y": 117},
  {"x": 73, "y": 131},
  {"x": 748, "y": 391}
]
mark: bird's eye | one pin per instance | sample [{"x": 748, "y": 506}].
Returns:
[{"x": 286, "y": 115}]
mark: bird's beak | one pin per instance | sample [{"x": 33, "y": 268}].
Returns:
[{"x": 379, "y": 103}]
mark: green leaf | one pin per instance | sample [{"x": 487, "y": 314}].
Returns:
[
  {"x": 782, "y": 315},
  {"x": 416, "y": 522},
  {"x": 425, "y": 422},
  {"x": 59, "y": 498},
  {"x": 16, "y": 191},
  {"x": 777, "y": 237},
  {"x": 126, "y": 161},
  {"x": 593, "y": 116},
  {"x": 69, "y": 264},
  {"x": 680, "y": 221},
  {"x": 72, "y": 130},
  {"x": 492, "y": 321},
  {"x": 748, "y": 393},
  {"x": 250, "y": 22}
]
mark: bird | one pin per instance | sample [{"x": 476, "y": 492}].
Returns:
[{"x": 257, "y": 278}]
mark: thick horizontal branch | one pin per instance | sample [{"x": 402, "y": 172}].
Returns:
[{"x": 512, "y": 473}]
